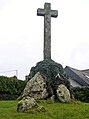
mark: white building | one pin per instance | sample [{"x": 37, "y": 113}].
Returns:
[{"x": 77, "y": 78}]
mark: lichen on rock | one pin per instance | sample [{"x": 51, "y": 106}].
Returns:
[
  {"x": 53, "y": 73},
  {"x": 26, "y": 103},
  {"x": 47, "y": 80},
  {"x": 36, "y": 87},
  {"x": 63, "y": 93}
]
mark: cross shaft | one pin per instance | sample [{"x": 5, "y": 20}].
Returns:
[{"x": 47, "y": 13}]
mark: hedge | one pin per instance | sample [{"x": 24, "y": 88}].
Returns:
[
  {"x": 82, "y": 93},
  {"x": 10, "y": 87}
]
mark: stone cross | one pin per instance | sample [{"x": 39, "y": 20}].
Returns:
[{"x": 47, "y": 13}]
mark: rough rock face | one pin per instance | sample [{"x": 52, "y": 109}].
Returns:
[
  {"x": 48, "y": 80},
  {"x": 36, "y": 87},
  {"x": 26, "y": 103},
  {"x": 54, "y": 74},
  {"x": 63, "y": 93}
]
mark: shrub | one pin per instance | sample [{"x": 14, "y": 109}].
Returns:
[
  {"x": 10, "y": 87},
  {"x": 82, "y": 93}
]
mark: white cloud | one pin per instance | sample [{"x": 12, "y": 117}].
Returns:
[{"x": 21, "y": 34}]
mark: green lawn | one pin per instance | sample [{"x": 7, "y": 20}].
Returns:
[{"x": 74, "y": 110}]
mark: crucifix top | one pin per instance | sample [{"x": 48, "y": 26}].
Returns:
[{"x": 47, "y": 13}]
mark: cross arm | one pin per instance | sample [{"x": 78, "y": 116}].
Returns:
[
  {"x": 54, "y": 13},
  {"x": 40, "y": 12}
]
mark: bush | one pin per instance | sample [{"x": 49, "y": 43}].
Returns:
[
  {"x": 10, "y": 87},
  {"x": 82, "y": 93}
]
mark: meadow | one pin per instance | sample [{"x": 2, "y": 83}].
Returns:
[{"x": 73, "y": 110}]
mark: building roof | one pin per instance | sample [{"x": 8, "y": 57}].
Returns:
[{"x": 80, "y": 76}]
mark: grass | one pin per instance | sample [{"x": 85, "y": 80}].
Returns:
[{"x": 74, "y": 110}]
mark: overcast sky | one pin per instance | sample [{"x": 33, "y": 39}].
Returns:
[{"x": 21, "y": 34}]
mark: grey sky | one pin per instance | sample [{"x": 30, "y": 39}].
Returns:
[{"x": 21, "y": 34}]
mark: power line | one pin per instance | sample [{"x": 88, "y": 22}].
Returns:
[{"x": 11, "y": 71}]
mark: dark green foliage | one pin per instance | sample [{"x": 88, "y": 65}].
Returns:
[
  {"x": 51, "y": 69},
  {"x": 82, "y": 93},
  {"x": 47, "y": 67},
  {"x": 10, "y": 87},
  {"x": 8, "y": 96}
]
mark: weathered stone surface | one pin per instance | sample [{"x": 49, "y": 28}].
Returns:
[
  {"x": 26, "y": 103},
  {"x": 36, "y": 87},
  {"x": 53, "y": 74},
  {"x": 53, "y": 71},
  {"x": 47, "y": 13},
  {"x": 63, "y": 93},
  {"x": 52, "y": 98}
]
